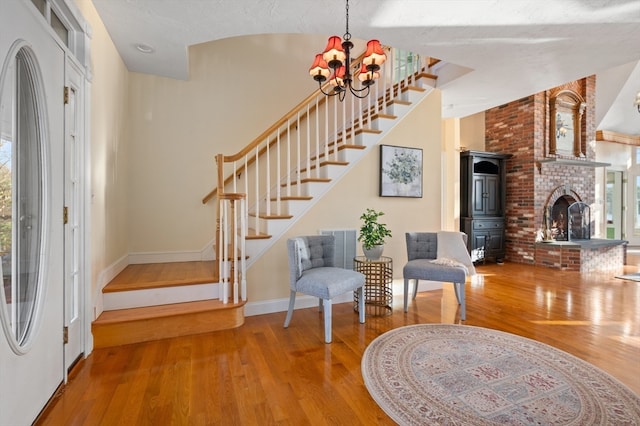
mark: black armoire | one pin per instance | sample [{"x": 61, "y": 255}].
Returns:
[{"x": 482, "y": 203}]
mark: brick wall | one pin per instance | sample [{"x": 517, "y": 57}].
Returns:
[{"x": 520, "y": 128}]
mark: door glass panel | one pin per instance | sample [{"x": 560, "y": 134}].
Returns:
[
  {"x": 59, "y": 28},
  {"x": 21, "y": 196},
  {"x": 637, "y": 203}
]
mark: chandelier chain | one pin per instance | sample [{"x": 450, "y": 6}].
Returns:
[{"x": 347, "y": 34}]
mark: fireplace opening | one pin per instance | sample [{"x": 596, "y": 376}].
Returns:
[{"x": 569, "y": 219}]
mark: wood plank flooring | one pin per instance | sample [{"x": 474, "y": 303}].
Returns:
[
  {"x": 154, "y": 275},
  {"x": 261, "y": 373}
]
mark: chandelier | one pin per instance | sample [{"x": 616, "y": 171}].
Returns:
[
  {"x": 335, "y": 64},
  {"x": 637, "y": 102}
]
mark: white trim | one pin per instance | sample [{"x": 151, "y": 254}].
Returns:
[
  {"x": 304, "y": 301},
  {"x": 164, "y": 257},
  {"x": 159, "y": 296},
  {"x": 104, "y": 278},
  {"x": 282, "y": 305}
]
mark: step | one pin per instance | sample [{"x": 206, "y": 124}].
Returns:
[
  {"x": 142, "y": 285},
  {"x": 127, "y": 326}
]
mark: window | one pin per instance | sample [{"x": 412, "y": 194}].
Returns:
[
  {"x": 21, "y": 196},
  {"x": 637, "y": 204},
  {"x": 52, "y": 18}
]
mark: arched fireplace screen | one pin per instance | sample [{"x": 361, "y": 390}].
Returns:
[
  {"x": 569, "y": 220},
  {"x": 579, "y": 221}
]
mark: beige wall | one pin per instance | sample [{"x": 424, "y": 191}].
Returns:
[
  {"x": 109, "y": 150},
  {"x": 472, "y": 132},
  {"x": 177, "y": 127}
]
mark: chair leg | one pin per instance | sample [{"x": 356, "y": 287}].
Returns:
[
  {"x": 415, "y": 288},
  {"x": 459, "y": 289},
  {"x": 361, "y": 304},
  {"x": 327, "y": 320},
  {"x": 292, "y": 302},
  {"x": 406, "y": 294}
]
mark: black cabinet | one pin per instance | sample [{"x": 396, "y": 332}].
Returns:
[{"x": 482, "y": 203}]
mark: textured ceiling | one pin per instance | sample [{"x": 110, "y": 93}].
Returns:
[{"x": 513, "y": 48}]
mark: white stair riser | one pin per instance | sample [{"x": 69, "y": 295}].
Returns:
[{"x": 159, "y": 296}]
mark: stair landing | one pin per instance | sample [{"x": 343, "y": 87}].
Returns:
[
  {"x": 157, "y": 275},
  {"x": 139, "y": 324}
]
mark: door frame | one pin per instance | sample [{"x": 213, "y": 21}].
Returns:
[{"x": 75, "y": 81}]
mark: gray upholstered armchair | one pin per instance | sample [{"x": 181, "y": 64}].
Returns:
[
  {"x": 427, "y": 261},
  {"x": 312, "y": 272}
]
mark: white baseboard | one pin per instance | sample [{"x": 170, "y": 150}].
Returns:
[
  {"x": 282, "y": 305},
  {"x": 304, "y": 301},
  {"x": 164, "y": 257}
]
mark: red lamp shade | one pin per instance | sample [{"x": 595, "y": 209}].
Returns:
[
  {"x": 319, "y": 69},
  {"x": 337, "y": 79},
  {"x": 334, "y": 52},
  {"x": 366, "y": 76},
  {"x": 374, "y": 56}
]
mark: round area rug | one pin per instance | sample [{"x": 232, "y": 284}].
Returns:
[{"x": 444, "y": 374}]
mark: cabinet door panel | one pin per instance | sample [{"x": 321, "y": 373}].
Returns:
[
  {"x": 479, "y": 195},
  {"x": 495, "y": 242},
  {"x": 492, "y": 195}
]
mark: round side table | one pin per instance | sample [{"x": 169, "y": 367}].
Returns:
[{"x": 378, "y": 285}]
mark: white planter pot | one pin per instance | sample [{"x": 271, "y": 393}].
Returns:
[{"x": 374, "y": 253}]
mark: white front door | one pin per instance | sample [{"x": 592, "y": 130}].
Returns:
[
  {"x": 73, "y": 286},
  {"x": 31, "y": 213}
]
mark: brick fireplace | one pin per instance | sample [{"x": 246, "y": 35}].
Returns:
[{"x": 546, "y": 167}]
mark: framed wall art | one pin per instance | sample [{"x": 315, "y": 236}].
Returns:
[{"x": 400, "y": 171}]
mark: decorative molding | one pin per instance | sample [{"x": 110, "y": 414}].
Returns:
[{"x": 609, "y": 136}]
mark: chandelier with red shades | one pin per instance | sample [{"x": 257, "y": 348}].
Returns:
[{"x": 335, "y": 64}]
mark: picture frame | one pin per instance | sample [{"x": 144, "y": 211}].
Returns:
[{"x": 400, "y": 171}]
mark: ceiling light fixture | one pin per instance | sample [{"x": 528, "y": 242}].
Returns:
[
  {"x": 637, "y": 102},
  {"x": 335, "y": 64},
  {"x": 144, "y": 48}
]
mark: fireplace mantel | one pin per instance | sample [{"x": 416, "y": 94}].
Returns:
[{"x": 570, "y": 162}]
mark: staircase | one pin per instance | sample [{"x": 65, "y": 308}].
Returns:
[{"x": 261, "y": 192}]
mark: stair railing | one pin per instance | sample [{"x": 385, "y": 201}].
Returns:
[{"x": 254, "y": 183}]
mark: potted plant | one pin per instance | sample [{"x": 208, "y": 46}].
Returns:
[{"x": 373, "y": 234}]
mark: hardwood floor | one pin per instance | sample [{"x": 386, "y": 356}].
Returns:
[{"x": 261, "y": 373}]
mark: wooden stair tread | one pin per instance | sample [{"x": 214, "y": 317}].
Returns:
[
  {"x": 294, "y": 198},
  {"x": 272, "y": 216},
  {"x": 308, "y": 180},
  {"x": 325, "y": 163},
  {"x": 157, "y": 275},
  {"x": 252, "y": 234},
  {"x": 152, "y": 312}
]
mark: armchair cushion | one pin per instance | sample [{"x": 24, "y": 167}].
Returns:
[
  {"x": 429, "y": 270},
  {"x": 311, "y": 253},
  {"x": 328, "y": 282}
]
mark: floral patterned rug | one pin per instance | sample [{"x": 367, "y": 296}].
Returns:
[{"x": 444, "y": 374}]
